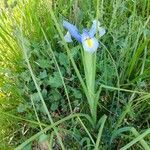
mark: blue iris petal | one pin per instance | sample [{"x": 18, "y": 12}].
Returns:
[
  {"x": 67, "y": 37},
  {"x": 72, "y": 30},
  {"x": 93, "y": 45},
  {"x": 85, "y": 34},
  {"x": 90, "y": 44},
  {"x": 102, "y": 31},
  {"x": 92, "y": 31}
]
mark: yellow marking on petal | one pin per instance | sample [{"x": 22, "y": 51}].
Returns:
[{"x": 89, "y": 42}]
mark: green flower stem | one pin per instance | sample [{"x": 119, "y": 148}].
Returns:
[
  {"x": 89, "y": 69},
  {"x": 89, "y": 72}
]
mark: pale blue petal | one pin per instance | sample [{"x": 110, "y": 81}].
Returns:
[
  {"x": 67, "y": 37},
  {"x": 73, "y": 30},
  {"x": 102, "y": 31},
  {"x": 92, "y": 31},
  {"x": 85, "y": 35},
  {"x": 94, "y": 46}
]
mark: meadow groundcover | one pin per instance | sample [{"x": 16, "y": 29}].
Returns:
[{"x": 75, "y": 74}]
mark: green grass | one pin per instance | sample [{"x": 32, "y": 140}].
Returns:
[{"x": 44, "y": 93}]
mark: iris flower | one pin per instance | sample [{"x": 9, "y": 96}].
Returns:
[{"x": 87, "y": 38}]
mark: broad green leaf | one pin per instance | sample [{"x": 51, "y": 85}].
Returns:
[
  {"x": 77, "y": 93},
  {"x": 43, "y": 137},
  {"x": 54, "y": 106},
  {"x": 63, "y": 59},
  {"x": 21, "y": 108},
  {"x": 43, "y": 63},
  {"x": 55, "y": 81},
  {"x": 43, "y": 74}
]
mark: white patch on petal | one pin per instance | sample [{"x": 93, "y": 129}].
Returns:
[
  {"x": 67, "y": 37},
  {"x": 96, "y": 23},
  {"x": 90, "y": 45},
  {"x": 102, "y": 31}
]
